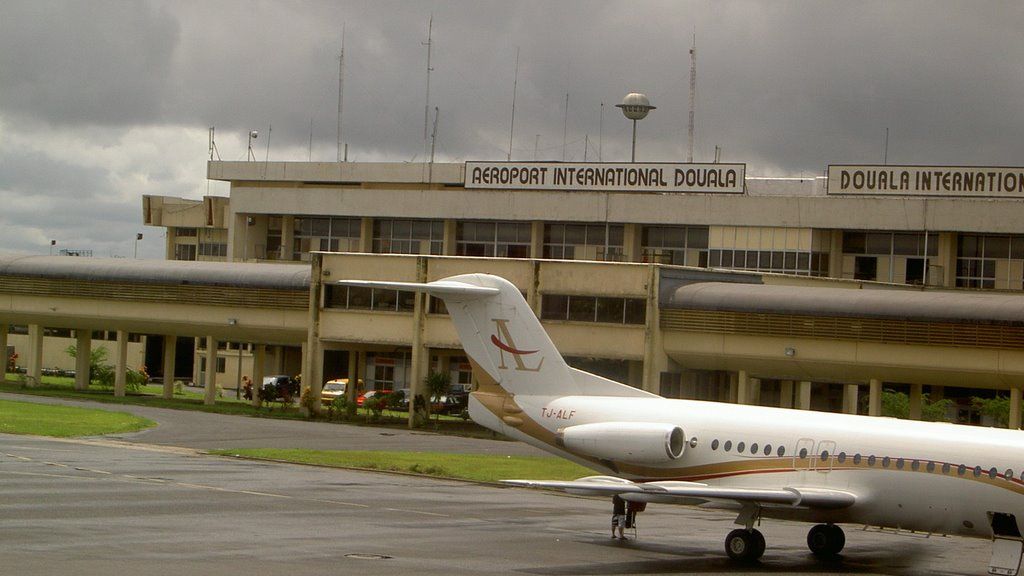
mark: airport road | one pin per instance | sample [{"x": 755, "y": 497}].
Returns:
[
  {"x": 205, "y": 431},
  {"x": 89, "y": 507}
]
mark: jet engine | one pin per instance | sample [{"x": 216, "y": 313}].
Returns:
[{"x": 642, "y": 443}]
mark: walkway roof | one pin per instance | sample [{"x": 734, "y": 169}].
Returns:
[
  {"x": 919, "y": 305},
  {"x": 164, "y": 272}
]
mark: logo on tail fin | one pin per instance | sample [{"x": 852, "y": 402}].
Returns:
[{"x": 504, "y": 342}]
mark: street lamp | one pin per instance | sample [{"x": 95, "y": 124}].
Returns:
[
  {"x": 635, "y": 106},
  {"x": 138, "y": 237}
]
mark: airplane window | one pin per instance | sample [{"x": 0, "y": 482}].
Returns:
[
  {"x": 977, "y": 471},
  {"x": 842, "y": 457},
  {"x": 914, "y": 464},
  {"x": 885, "y": 462},
  {"x": 753, "y": 448},
  {"x": 714, "y": 444},
  {"x": 945, "y": 467},
  {"x": 767, "y": 449},
  {"x": 781, "y": 451},
  {"x": 856, "y": 458},
  {"x": 803, "y": 452},
  {"x": 992, "y": 473},
  {"x": 899, "y": 463},
  {"x": 931, "y": 466},
  {"x": 824, "y": 454},
  {"x": 1009, "y": 474},
  {"x": 741, "y": 447},
  {"x": 961, "y": 469},
  {"x": 728, "y": 445},
  {"x": 871, "y": 460}
]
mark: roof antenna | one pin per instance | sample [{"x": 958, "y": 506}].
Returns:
[
  {"x": 426, "y": 107},
  {"x": 693, "y": 95},
  {"x": 512, "y": 124},
  {"x": 341, "y": 89}
]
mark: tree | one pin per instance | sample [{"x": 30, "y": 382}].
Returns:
[
  {"x": 897, "y": 405},
  {"x": 438, "y": 385},
  {"x": 997, "y": 408}
]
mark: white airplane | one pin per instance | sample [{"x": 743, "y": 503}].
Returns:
[{"x": 814, "y": 467}]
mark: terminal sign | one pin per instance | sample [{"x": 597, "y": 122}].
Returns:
[
  {"x": 656, "y": 177},
  {"x": 926, "y": 180}
]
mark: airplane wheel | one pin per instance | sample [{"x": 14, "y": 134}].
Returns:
[
  {"x": 744, "y": 545},
  {"x": 826, "y": 540}
]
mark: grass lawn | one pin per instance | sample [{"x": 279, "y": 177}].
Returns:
[
  {"x": 484, "y": 468},
  {"x": 65, "y": 421},
  {"x": 192, "y": 399}
]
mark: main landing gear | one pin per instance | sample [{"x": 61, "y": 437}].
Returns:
[
  {"x": 826, "y": 540},
  {"x": 745, "y": 545}
]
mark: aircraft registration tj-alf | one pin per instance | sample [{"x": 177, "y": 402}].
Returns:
[{"x": 814, "y": 467}]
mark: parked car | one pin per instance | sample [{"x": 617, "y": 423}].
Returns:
[
  {"x": 333, "y": 389},
  {"x": 281, "y": 384},
  {"x": 370, "y": 394}
]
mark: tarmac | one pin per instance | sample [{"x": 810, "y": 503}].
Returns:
[{"x": 153, "y": 502}]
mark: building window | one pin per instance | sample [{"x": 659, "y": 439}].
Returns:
[
  {"x": 605, "y": 309},
  {"x": 990, "y": 261},
  {"x": 493, "y": 239},
  {"x": 216, "y": 249},
  {"x": 274, "y": 239},
  {"x": 679, "y": 245},
  {"x": 359, "y": 298},
  {"x": 408, "y": 236},
  {"x": 905, "y": 253},
  {"x": 601, "y": 242},
  {"x": 185, "y": 252},
  {"x": 185, "y": 232},
  {"x": 325, "y": 234}
]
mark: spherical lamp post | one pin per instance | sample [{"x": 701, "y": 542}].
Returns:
[{"x": 635, "y": 106}]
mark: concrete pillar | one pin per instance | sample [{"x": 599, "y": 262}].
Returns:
[
  {"x": 353, "y": 376},
  {"x": 210, "y": 393},
  {"x": 170, "y": 354},
  {"x": 916, "y": 391},
  {"x": 734, "y": 387},
  {"x": 83, "y": 351},
  {"x": 850, "y": 399},
  {"x": 655, "y": 358},
  {"x": 875, "y": 397},
  {"x": 259, "y": 358},
  {"x": 786, "y": 394},
  {"x": 835, "y": 254},
  {"x": 312, "y": 349},
  {"x": 1014, "y": 422},
  {"x": 196, "y": 375},
  {"x": 755, "y": 391},
  {"x": 742, "y": 388},
  {"x": 803, "y": 396},
  {"x": 451, "y": 230},
  {"x": 631, "y": 236},
  {"x": 287, "y": 237},
  {"x": 172, "y": 234},
  {"x": 4, "y": 356},
  {"x": 420, "y": 353},
  {"x": 537, "y": 239},
  {"x": 636, "y": 374},
  {"x": 947, "y": 258},
  {"x": 366, "y": 235},
  {"x": 121, "y": 363},
  {"x": 35, "y": 352}
]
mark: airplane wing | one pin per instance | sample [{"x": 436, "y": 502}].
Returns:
[{"x": 690, "y": 492}]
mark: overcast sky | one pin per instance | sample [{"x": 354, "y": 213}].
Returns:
[{"x": 102, "y": 102}]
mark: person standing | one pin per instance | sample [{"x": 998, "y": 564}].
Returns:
[{"x": 618, "y": 517}]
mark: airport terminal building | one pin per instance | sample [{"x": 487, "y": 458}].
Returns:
[
  {"x": 659, "y": 275},
  {"x": 689, "y": 280}
]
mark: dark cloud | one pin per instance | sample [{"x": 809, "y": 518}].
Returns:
[{"x": 786, "y": 87}]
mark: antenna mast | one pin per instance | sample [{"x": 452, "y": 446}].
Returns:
[
  {"x": 426, "y": 107},
  {"x": 565, "y": 125},
  {"x": 512, "y": 124},
  {"x": 693, "y": 95},
  {"x": 341, "y": 89}
]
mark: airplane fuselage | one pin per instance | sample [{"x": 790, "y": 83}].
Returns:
[{"x": 931, "y": 477}]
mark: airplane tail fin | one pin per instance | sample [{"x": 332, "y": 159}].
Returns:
[{"x": 499, "y": 332}]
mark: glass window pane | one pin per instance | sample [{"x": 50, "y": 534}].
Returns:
[
  {"x": 384, "y": 299},
  {"x": 878, "y": 243},
  {"x": 359, "y": 298},
  {"x": 406, "y": 300},
  {"x": 636, "y": 311},
  {"x": 790, "y": 261},
  {"x": 854, "y": 242},
  {"x": 907, "y": 244},
  {"x": 968, "y": 246},
  {"x": 554, "y": 307},
  {"x": 582, "y": 308},
  {"x": 421, "y": 229},
  {"x": 554, "y": 233},
  {"x": 697, "y": 237},
  {"x": 575, "y": 234},
  {"x": 1016, "y": 247},
  {"x": 610, "y": 310},
  {"x": 997, "y": 247},
  {"x": 615, "y": 234},
  {"x": 320, "y": 226}
]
